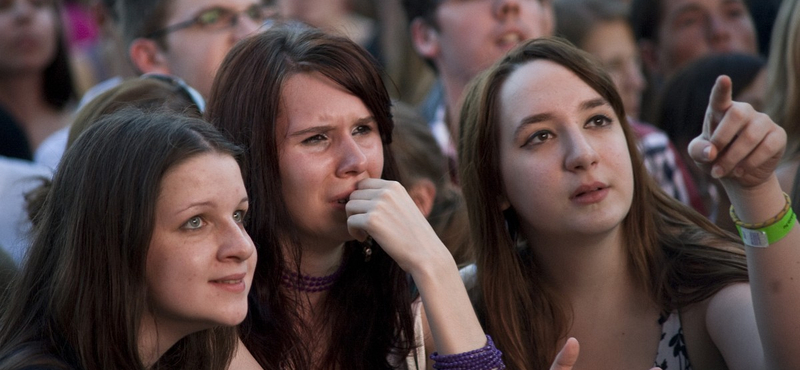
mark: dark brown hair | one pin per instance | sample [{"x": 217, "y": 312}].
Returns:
[
  {"x": 82, "y": 292},
  {"x": 674, "y": 253},
  {"x": 367, "y": 313}
]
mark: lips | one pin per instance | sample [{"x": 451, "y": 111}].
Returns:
[
  {"x": 230, "y": 279},
  {"x": 585, "y": 190}
]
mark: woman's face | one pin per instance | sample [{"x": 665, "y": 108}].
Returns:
[
  {"x": 564, "y": 160},
  {"x": 201, "y": 261},
  {"x": 327, "y": 141},
  {"x": 27, "y": 35}
]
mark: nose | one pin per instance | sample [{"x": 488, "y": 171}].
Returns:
[
  {"x": 718, "y": 33},
  {"x": 580, "y": 152},
  {"x": 634, "y": 77},
  {"x": 235, "y": 243},
  {"x": 504, "y": 8},
  {"x": 352, "y": 159}
]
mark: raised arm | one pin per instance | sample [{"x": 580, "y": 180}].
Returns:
[
  {"x": 384, "y": 211},
  {"x": 742, "y": 148}
]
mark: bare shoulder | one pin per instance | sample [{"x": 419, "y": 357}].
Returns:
[{"x": 721, "y": 332}]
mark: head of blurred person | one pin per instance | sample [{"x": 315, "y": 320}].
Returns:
[
  {"x": 672, "y": 33},
  {"x": 32, "y": 42},
  {"x": 462, "y": 38},
  {"x": 423, "y": 172},
  {"x": 601, "y": 28},
  {"x": 187, "y": 38}
]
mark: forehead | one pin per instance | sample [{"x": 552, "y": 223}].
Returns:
[{"x": 541, "y": 85}]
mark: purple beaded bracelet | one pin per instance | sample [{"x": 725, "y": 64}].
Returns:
[{"x": 487, "y": 357}]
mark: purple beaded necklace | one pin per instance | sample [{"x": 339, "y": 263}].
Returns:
[{"x": 310, "y": 284}]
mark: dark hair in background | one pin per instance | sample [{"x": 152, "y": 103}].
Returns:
[
  {"x": 684, "y": 98},
  {"x": 59, "y": 87},
  {"x": 675, "y": 254},
  {"x": 144, "y": 93},
  {"x": 81, "y": 293},
  {"x": 368, "y": 310},
  {"x": 645, "y": 19},
  {"x": 419, "y": 157}
]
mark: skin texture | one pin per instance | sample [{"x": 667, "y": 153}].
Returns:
[
  {"x": 201, "y": 261},
  {"x": 693, "y": 28},
  {"x": 338, "y": 145},
  {"x": 195, "y": 54},
  {"x": 27, "y": 36}
]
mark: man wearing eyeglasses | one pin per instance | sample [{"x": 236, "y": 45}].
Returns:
[{"x": 187, "y": 38}]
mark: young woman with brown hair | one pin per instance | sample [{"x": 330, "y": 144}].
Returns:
[{"x": 573, "y": 239}]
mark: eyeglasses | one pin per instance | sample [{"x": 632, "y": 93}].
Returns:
[
  {"x": 179, "y": 84},
  {"x": 218, "y": 18}
]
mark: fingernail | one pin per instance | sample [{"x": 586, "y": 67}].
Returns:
[
  {"x": 707, "y": 153},
  {"x": 738, "y": 172},
  {"x": 716, "y": 171}
]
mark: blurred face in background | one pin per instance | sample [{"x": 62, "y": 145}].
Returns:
[
  {"x": 28, "y": 35},
  {"x": 613, "y": 45},
  {"x": 690, "y": 29}
]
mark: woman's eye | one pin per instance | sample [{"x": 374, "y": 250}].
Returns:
[
  {"x": 238, "y": 216},
  {"x": 538, "y": 138},
  {"x": 363, "y": 129},
  {"x": 315, "y": 139},
  {"x": 599, "y": 121},
  {"x": 194, "y": 223}
]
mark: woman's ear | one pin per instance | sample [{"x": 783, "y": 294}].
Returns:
[
  {"x": 425, "y": 39},
  {"x": 147, "y": 57},
  {"x": 423, "y": 193}
]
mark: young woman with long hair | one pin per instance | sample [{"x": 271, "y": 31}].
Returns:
[
  {"x": 140, "y": 259},
  {"x": 337, "y": 237},
  {"x": 573, "y": 239}
]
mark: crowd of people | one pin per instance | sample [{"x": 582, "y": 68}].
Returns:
[{"x": 399, "y": 184}]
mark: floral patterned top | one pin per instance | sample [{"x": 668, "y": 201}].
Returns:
[{"x": 672, "y": 347}]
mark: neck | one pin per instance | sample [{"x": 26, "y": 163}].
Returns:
[
  {"x": 584, "y": 267},
  {"x": 320, "y": 261},
  {"x": 156, "y": 338},
  {"x": 22, "y": 95},
  {"x": 453, "y": 91}
]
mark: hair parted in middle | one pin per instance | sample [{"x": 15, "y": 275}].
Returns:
[
  {"x": 368, "y": 310},
  {"x": 674, "y": 253}
]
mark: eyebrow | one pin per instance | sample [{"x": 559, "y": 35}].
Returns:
[
  {"x": 206, "y": 204},
  {"x": 541, "y": 117}
]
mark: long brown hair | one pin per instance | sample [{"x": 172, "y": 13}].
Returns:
[
  {"x": 367, "y": 313},
  {"x": 81, "y": 293},
  {"x": 674, "y": 253}
]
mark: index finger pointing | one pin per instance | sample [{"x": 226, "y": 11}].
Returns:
[{"x": 718, "y": 103}]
